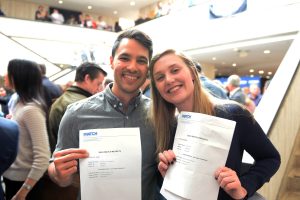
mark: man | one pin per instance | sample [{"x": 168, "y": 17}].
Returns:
[
  {"x": 88, "y": 81},
  {"x": 121, "y": 104},
  {"x": 255, "y": 94},
  {"x": 51, "y": 91},
  {"x": 9, "y": 135},
  {"x": 235, "y": 92},
  {"x": 209, "y": 85}
]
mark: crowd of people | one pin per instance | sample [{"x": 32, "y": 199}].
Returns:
[
  {"x": 81, "y": 20},
  {"x": 44, "y": 164}
]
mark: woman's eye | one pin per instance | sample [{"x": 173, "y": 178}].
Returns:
[
  {"x": 159, "y": 78},
  {"x": 174, "y": 70}
]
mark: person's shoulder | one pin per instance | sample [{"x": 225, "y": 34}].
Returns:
[
  {"x": 231, "y": 109},
  {"x": 87, "y": 103},
  {"x": 8, "y": 124},
  {"x": 31, "y": 107},
  {"x": 145, "y": 101}
]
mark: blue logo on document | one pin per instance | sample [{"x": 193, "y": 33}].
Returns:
[
  {"x": 90, "y": 134},
  {"x": 186, "y": 116}
]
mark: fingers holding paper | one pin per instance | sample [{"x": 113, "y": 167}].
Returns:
[
  {"x": 230, "y": 182},
  {"x": 165, "y": 159},
  {"x": 65, "y": 164}
]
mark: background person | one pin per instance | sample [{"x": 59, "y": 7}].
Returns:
[
  {"x": 30, "y": 113},
  {"x": 9, "y": 137},
  {"x": 88, "y": 81},
  {"x": 235, "y": 92}
]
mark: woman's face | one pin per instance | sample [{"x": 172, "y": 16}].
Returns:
[
  {"x": 7, "y": 83},
  {"x": 174, "y": 81}
]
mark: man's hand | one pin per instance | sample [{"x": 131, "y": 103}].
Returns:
[{"x": 65, "y": 165}]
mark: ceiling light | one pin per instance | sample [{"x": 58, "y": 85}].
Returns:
[
  {"x": 267, "y": 51},
  {"x": 251, "y": 75},
  {"x": 89, "y": 7},
  {"x": 115, "y": 12},
  {"x": 233, "y": 64},
  {"x": 132, "y": 3},
  {"x": 242, "y": 53},
  {"x": 270, "y": 73},
  {"x": 214, "y": 58},
  {"x": 251, "y": 70},
  {"x": 235, "y": 49},
  {"x": 261, "y": 72},
  {"x": 60, "y": 2}
]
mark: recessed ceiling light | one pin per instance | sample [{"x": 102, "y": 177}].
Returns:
[
  {"x": 261, "y": 72},
  {"x": 251, "y": 75},
  {"x": 267, "y": 51},
  {"x": 251, "y": 70},
  {"x": 268, "y": 77},
  {"x": 214, "y": 58},
  {"x": 235, "y": 49},
  {"x": 89, "y": 7},
  {"x": 60, "y": 2},
  {"x": 270, "y": 73},
  {"x": 115, "y": 12},
  {"x": 233, "y": 64},
  {"x": 132, "y": 3}
]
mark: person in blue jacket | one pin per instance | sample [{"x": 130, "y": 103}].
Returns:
[{"x": 9, "y": 135}]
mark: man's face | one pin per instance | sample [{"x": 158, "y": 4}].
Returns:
[
  {"x": 130, "y": 66},
  {"x": 94, "y": 86}
]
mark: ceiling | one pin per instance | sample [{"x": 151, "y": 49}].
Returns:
[{"x": 245, "y": 57}]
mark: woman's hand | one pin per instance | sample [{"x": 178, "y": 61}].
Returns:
[
  {"x": 230, "y": 183},
  {"x": 165, "y": 159}
]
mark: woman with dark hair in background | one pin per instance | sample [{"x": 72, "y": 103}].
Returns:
[{"x": 30, "y": 113}]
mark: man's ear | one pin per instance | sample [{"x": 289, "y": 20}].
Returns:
[
  {"x": 111, "y": 62},
  {"x": 87, "y": 77}
]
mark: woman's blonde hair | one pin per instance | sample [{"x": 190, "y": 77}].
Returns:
[{"x": 162, "y": 113}]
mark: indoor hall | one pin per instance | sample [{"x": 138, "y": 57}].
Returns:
[{"x": 224, "y": 46}]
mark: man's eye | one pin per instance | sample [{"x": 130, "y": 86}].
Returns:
[
  {"x": 143, "y": 62},
  {"x": 124, "y": 58}
]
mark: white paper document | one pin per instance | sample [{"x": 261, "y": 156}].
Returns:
[
  {"x": 113, "y": 169},
  {"x": 201, "y": 146}
]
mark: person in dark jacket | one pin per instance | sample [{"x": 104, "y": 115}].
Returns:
[
  {"x": 175, "y": 85},
  {"x": 9, "y": 137},
  {"x": 51, "y": 90}
]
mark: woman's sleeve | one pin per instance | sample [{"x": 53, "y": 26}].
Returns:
[
  {"x": 266, "y": 156},
  {"x": 35, "y": 121}
]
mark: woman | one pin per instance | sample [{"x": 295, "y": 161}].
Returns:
[
  {"x": 30, "y": 113},
  {"x": 176, "y": 85}
]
